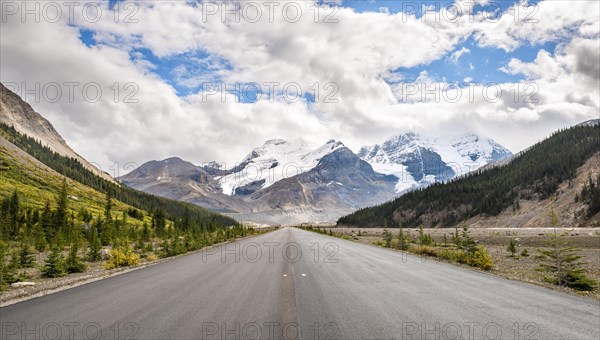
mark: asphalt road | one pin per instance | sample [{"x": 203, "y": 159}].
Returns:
[{"x": 302, "y": 285}]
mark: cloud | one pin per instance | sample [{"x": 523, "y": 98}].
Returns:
[
  {"x": 455, "y": 56},
  {"x": 352, "y": 60}
]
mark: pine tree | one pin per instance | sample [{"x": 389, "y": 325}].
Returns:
[
  {"x": 403, "y": 241},
  {"x": 39, "y": 238},
  {"x": 46, "y": 222},
  {"x": 424, "y": 239},
  {"x": 74, "y": 264},
  {"x": 55, "y": 264},
  {"x": 145, "y": 233},
  {"x": 13, "y": 214},
  {"x": 562, "y": 262},
  {"x": 108, "y": 206},
  {"x": 26, "y": 258},
  {"x": 512, "y": 248},
  {"x": 60, "y": 214},
  {"x": 387, "y": 237},
  {"x": 7, "y": 272},
  {"x": 456, "y": 238},
  {"x": 185, "y": 223},
  {"x": 467, "y": 243},
  {"x": 95, "y": 246},
  {"x": 159, "y": 222}
]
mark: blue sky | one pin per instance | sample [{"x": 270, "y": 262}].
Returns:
[
  {"x": 477, "y": 64},
  {"x": 170, "y": 52}
]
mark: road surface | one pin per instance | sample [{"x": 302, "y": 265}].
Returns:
[{"x": 291, "y": 284}]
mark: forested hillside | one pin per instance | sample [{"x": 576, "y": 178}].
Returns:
[
  {"x": 535, "y": 174},
  {"x": 74, "y": 170},
  {"x": 52, "y": 225}
]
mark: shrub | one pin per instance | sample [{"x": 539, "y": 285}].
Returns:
[
  {"x": 380, "y": 243},
  {"x": 120, "y": 258},
  {"x": 425, "y": 250},
  {"x": 481, "y": 259},
  {"x": 453, "y": 255}
]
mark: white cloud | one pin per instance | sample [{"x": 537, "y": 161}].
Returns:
[
  {"x": 455, "y": 56},
  {"x": 359, "y": 54}
]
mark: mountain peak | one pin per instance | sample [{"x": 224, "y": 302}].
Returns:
[
  {"x": 17, "y": 113},
  {"x": 420, "y": 161}
]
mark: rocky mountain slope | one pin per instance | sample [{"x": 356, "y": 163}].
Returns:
[
  {"x": 294, "y": 181},
  {"x": 275, "y": 160},
  {"x": 418, "y": 161},
  {"x": 32, "y": 169},
  {"x": 281, "y": 182},
  {"x": 177, "y": 179},
  {"x": 549, "y": 175},
  {"x": 19, "y": 114}
]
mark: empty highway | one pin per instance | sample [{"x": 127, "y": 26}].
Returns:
[{"x": 292, "y": 284}]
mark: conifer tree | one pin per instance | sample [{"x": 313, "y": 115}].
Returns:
[
  {"x": 467, "y": 243},
  {"x": 562, "y": 263},
  {"x": 74, "y": 264},
  {"x": 55, "y": 264},
  {"x": 46, "y": 222},
  {"x": 387, "y": 238},
  {"x": 7, "y": 272},
  {"x": 512, "y": 248},
  {"x": 95, "y": 246},
  {"x": 39, "y": 238},
  {"x": 13, "y": 214},
  {"x": 145, "y": 233},
  {"x": 108, "y": 205},
  {"x": 403, "y": 240},
  {"x": 60, "y": 214},
  {"x": 26, "y": 258}
]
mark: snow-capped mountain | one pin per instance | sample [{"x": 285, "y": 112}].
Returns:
[
  {"x": 292, "y": 181},
  {"x": 419, "y": 161},
  {"x": 275, "y": 160},
  {"x": 278, "y": 182}
]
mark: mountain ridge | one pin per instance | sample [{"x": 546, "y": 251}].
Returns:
[
  {"x": 293, "y": 179},
  {"x": 535, "y": 175},
  {"x": 16, "y": 112}
]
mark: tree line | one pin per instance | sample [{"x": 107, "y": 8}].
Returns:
[
  {"x": 535, "y": 174},
  {"x": 73, "y": 169},
  {"x": 69, "y": 239}
]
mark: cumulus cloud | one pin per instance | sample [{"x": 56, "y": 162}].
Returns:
[{"x": 340, "y": 53}]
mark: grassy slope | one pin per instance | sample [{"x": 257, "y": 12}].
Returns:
[
  {"x": 36, "y": 184},
  {"x": 138, "y": 199}
]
